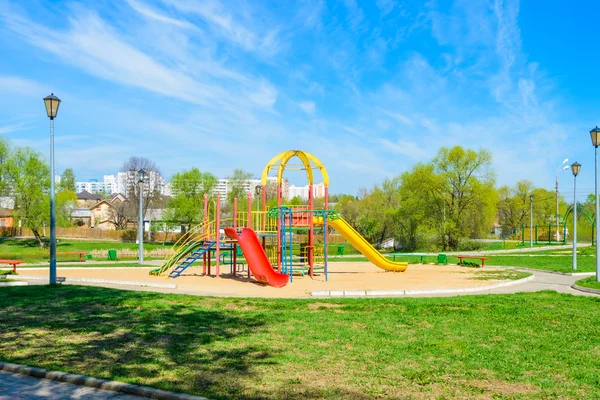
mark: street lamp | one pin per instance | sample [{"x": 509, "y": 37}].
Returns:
[
  {"x": 257, "y": 191},
  {"x": 575, "y": 168},
  {"x": 595, "y": 135},
  {"x": 141, "y": 175},
  {"x": 531, "y": 220},
  {"x": 561, "y": 168},
  {"x": 52, "y": 103}
]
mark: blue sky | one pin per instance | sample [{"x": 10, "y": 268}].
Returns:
[{"x": 371, "y": 88}]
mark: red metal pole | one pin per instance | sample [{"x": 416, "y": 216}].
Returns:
[
  {"x": 250, "y": 210},
  {"x": 206, "y": 232},
  {"x": 218, "y": 236},
  {"x": 310, "y": 231}
]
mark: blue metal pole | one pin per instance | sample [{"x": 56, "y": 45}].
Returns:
[
  {"x": 291, "y": 249},
  {"x": 52, "y": 209}
]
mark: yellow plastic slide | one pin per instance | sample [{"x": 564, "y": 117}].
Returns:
[{"x": 361, "y": 244}]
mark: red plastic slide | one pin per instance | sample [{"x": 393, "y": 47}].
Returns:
[{"x": 257, "y": 258}]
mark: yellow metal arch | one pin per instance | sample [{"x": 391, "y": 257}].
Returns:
[
  {"x": 306, "y": 158},
  {"x": 302, "y": 156},
  {"x": 321, "y": 167}
]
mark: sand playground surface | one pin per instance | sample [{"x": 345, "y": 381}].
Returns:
[{"x": 345, "y": 276}]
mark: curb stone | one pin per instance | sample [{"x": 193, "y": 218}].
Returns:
[
  {"x": 533, "y": 270},
  {"x": 15, "y": 283},
  {"x": 94, "y": 280},
  {"x": 82, "y": 380},
  {"x": 372, "y": 293},
  {"x": 585, "y": 289}
]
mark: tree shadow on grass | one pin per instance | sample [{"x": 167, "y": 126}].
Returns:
[{"x": 175, "y": 343}]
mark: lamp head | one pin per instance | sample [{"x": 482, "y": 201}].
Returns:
[
  {"x": 141, "y": 175},
  {"x": 566, "y": 160},
  {"x": 52, "y": 103},
  {"x": 595, "y": 135},
  {"x": 575, "y": 168},
  {"x": 531, "y": 197},
  {"x": 257, "y": 189}
]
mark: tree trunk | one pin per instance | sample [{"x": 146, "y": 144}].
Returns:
[{"x": 38, "y": 237}]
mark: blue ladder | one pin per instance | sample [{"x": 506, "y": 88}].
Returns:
[{"x": 190, "y": 259}]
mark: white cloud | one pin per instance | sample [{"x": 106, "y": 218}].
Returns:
[
  {"x": 13, "y": 128},
  {"x": 260, "y": 39},
  {"x": 153, "y": 14},
  {"x": 308, "y": 107},
  {"x": 21, "y": 86},
  {"x": 406, "y": 148}
]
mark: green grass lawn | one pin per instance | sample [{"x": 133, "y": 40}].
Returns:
[
  {"x": 534, "y": 345},
  {"x": 589, "y": 282},
  {"x": 548, "y": 262},
  {"x": 28, "y": 250}
]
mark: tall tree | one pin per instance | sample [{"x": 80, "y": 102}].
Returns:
[
  {"x": 467, "y": 193},
  {"x": 67, "y": 180},
  {"x": 4, "y": 158},
  {"x": 189, "y": 188},
  {"x": 66, "y": 202},
  {"x": 29, "y": 178},
  {"x": 238, "y": 183}
]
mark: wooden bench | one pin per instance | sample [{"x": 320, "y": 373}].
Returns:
[
  {"x": 483, "y": 259},
  {"x": 81, "y": 254},
  {"x": 11, "y": 262},
  {"x": 408, "y": 255}
]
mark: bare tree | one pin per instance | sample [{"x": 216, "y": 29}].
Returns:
[
  {"x": 151, "y": 193},
  {"x": 120, "y": 214}
]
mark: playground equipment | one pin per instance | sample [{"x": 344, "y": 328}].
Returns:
[
  {"x": 275, "y": 243},
  {"x": 362, "y": 245}
]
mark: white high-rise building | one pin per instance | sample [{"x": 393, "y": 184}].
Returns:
[
  {"x": 302, "y": 191},
  {"x": 110, "y": 183},
  {"x": 127, "y": 179},
  {"x": 121, "y": 183},
  {"x": 224, "y": 186},
  {"x": 91, "y": 186}
]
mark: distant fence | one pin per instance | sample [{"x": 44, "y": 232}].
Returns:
[{"x": 129, "y": 235}]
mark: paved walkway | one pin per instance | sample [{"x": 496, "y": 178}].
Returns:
[
  {"x": 20, "y": 387},
  {"x": 541, "y": 281}
]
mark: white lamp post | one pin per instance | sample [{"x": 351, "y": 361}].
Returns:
[
  {"x": 595, "y": 135},
  {"x": 575, "y": 168},
  {"x": 141, "y": 174},
  {"x": 52, "y": 103},
  {"x": 561, "y": 168}
]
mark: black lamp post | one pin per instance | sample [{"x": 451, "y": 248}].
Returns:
[
  {"x": 52, "y": 103},
  {"x": 257, "y": 192},
  {"x": 141, "y": 176}
]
